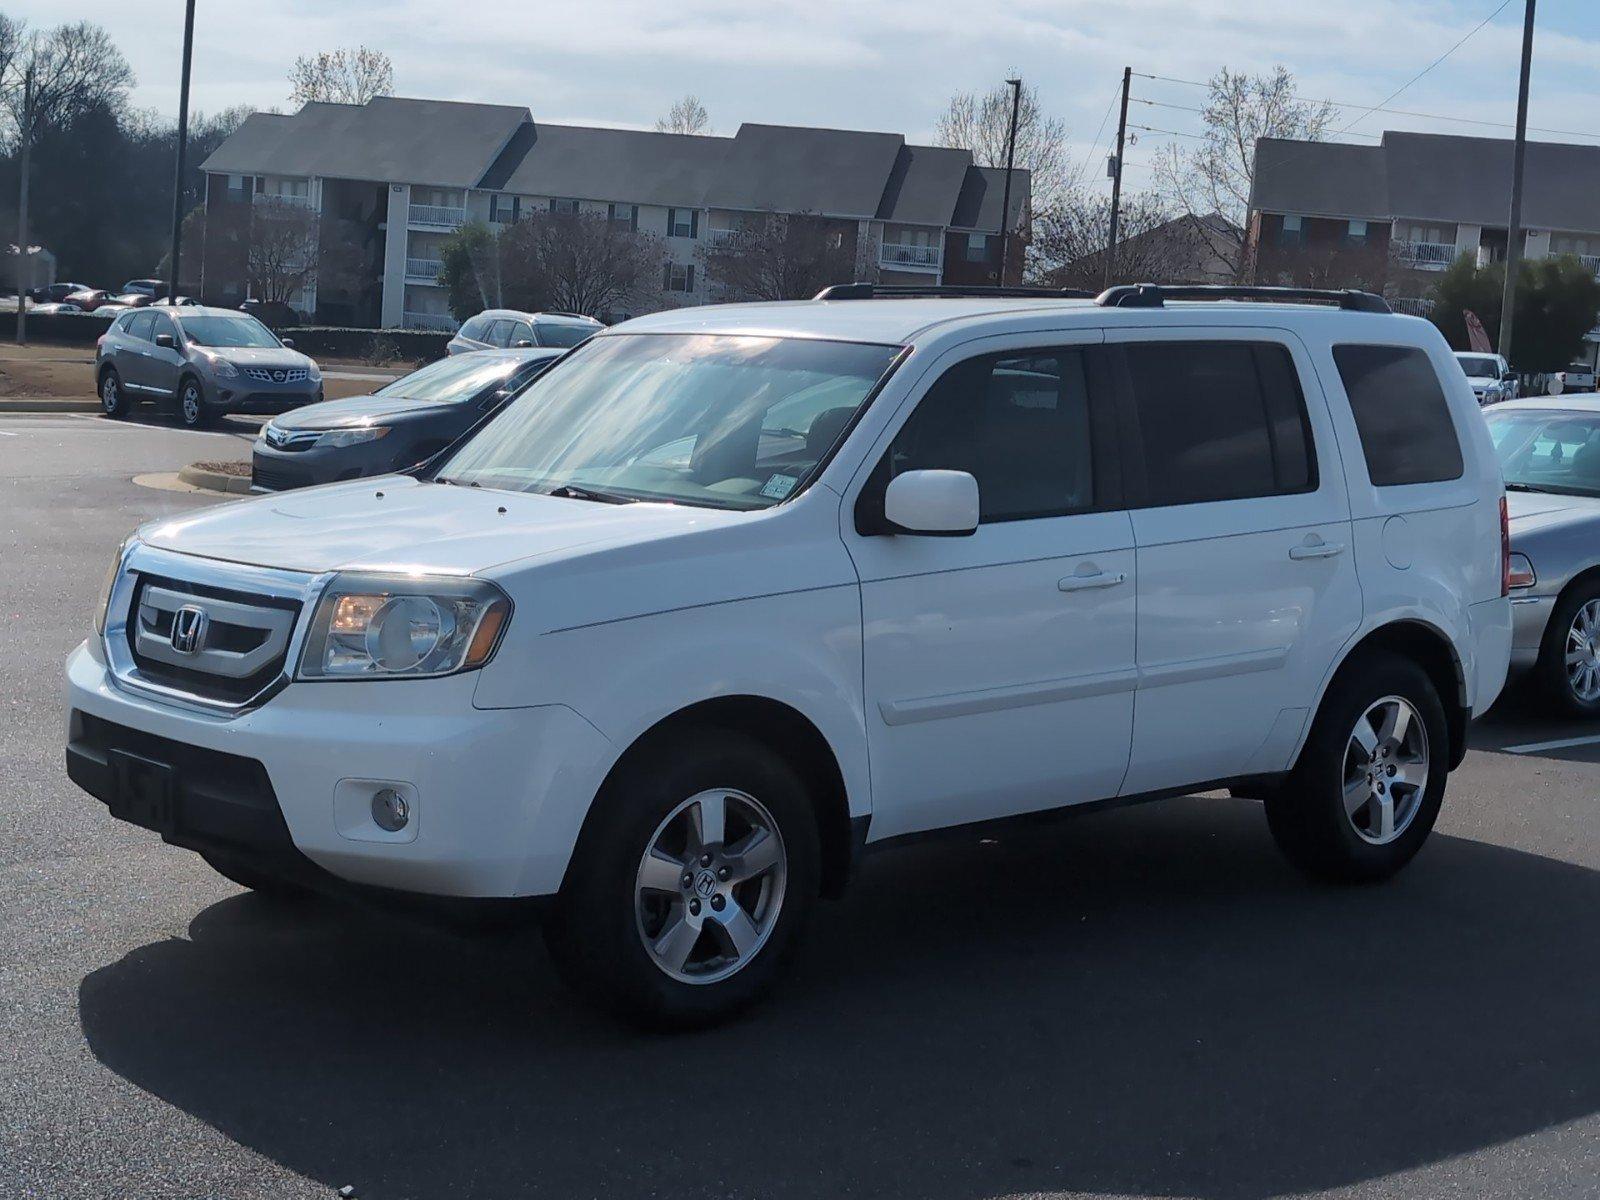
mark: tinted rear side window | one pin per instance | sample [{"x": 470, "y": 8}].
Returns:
[
  {"x": 1401, "y": 414},
  {"x": 1219, "y": 421}
]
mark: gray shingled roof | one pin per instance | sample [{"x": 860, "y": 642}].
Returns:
[
  {"x": 924, "y": 185},
  {"x": 790, "y": 168},
  {"x": 982, "y": 192},
  {"x": 1428, "y": 176},
  {"x": 626, "y": 165},
  {"x": 389, "y": 140}
]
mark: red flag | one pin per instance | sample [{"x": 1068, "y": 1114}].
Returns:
[{"x": 1477, "y": 338}]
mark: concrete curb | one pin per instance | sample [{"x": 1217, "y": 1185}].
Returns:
[
  {"x": 43, "y": 404},
  {"x": 214, "y": 481}
]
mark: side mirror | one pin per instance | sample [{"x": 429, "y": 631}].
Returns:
[
  {"x": 522, "y": 344},
  {"x": 288, "y": 342},
  {"x": 932, "y": 503},
  {"x": 166, "y": 341},
  {"x": 1508, "y": 377}
]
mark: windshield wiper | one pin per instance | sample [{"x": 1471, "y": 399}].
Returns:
[
  {"x": 445, "y": 479},
  {"x": 572, "y": 491},
  {"x": 1516, "y": 486}
]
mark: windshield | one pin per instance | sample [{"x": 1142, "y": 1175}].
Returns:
[
  {"x": 1548, "y": 451},
  {"x": 1477, "y": 365},
  {"x": 564, "y": 335},
  {"x": 227, "y": 331},
  {"x": 716, "y": 421},
  {"x": 450, "y": 380}
]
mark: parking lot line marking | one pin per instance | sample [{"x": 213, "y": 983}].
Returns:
[{"x": 1558, "y": 744}]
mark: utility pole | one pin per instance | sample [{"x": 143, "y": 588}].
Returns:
[
  {"x": 24, "y": 262},
  {"x": 1514, "y": 225},
  {"x": 183, "y": 149},
  {"x": 1116, "y": 179},
  {"x": 1005, "y": 202}
]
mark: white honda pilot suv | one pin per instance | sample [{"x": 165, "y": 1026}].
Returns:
[{"x": 737, "y": 593}]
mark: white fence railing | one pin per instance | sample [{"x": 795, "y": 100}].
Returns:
[
  {"x": 902, "y": 255},
  {"x": 438, "y": 322},
  {"x": 436, "y": 214},
  {"x": 1592, "y": 261},
  {"x": 281, "y": 198},
  {"x": 426, "y": 269},
  {"x": 1430, "y": 256}
]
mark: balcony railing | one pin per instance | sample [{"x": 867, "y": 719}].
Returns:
[
  {"x": 437, "y": 322},
  {"x": 1592, "y": 261},
  {"x": 281, "y": 198},
  {"x": 436, "y": 214},
  {"x": 424, "y": 270},
  {"x": 1426, "y": 256},
  {"x": 903, "y": 255}
]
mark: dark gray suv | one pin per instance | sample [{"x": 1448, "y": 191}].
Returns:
[{"x": 202, "y": 362}]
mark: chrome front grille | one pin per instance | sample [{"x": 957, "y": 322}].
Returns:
[
  {"x": 202, "y": 633},
  {"x": 291, "y": 439},
  {"x": 275, "y": 374}
]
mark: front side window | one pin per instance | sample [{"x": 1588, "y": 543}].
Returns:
[
  {"x": 138, "y": 325},
  {"x": 227, "y": 331},
  {"x": 1547, "y": 451},
  {"x": 1018, "y": 423},
  {"x": 1218, "y": 421},
  {"x": 680, "y": 418},
  {"x": 499, "y": 334},
  {"x": 1401, "y": 413}
]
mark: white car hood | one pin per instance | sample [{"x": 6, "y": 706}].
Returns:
[{"x": 396, "y": 523}]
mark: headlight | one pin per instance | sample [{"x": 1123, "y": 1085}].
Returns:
[
  {"x": 314, "y": 372},
  {"x": 109, "y": 583},
  {"x": 403, "y": 627},
  {"x": 220, "y": 367},
  {"x": 1520, "y": 573},
  {"x": 352, "y": 437}
]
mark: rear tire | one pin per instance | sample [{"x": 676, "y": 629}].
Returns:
[
  {"x": 677, "y": 948},
  {"x": 114, "y": 401},
  {"x": 1574, "y": 628},
  {"x": 1367, "y": 789}
]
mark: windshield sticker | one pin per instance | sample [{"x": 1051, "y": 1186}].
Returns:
[{"x": 779, "y": 486}]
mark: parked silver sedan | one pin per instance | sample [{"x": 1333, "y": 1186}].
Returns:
[{"x": 1549, "y": 449}]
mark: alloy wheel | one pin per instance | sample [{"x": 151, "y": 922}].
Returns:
[
  {"x": 1583, "y": 653},
  {"x": 710, "y": 886},
  {"x": 108, "y": 393},
  {"x": 1385, "y": 770},
  {"x": 191, "y": 404}
]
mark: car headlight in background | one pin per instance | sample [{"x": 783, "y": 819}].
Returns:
[
  {"x": 403, "y": 627},
  {"x": 351, "y": 437},
  {"x": 110, "y": 582},
  {"x": 220, "y": 367},
  {"x": 1520, "y": 573},
  {"x": 313, "y": 372}
]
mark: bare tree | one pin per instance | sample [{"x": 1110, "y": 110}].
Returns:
[
  {"x": 1070, "y": 241},
  {"x": 688, "y": 115},
  {"x": 1216, "y": 176},
  {"x": 341, "y": 76},
  {"x": 982, "y": 124},
  {"x": 584, "y": 262},
  {"x": 51, "y": 77},
  {"x": 281, "y": 257},
  {"x": 783, "y": 257}
]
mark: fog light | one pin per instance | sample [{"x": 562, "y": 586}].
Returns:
[{"x": 390, "y": 810}]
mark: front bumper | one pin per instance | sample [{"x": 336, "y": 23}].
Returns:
[
  {"x": 496, "y": 797},
  {"x": 274, "y": 470},
  {"x": 246, "y": 395}
]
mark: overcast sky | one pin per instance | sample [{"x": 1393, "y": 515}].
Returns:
[{"x": 876, "y": 64}]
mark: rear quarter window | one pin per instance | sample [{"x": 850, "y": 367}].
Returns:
[{"x": 1402, "y": 416}]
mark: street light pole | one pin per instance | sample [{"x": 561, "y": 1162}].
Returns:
[
  {"x": 1508, "y": 298},
  {"x": 1116, "y": 180},
  {"x": 183, "y": 149},
  {"x": 1005, "y": 202},
  {"x": 24, "y": 262}
]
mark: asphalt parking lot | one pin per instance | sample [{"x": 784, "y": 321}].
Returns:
[{"x": 1144, "y": 1002}]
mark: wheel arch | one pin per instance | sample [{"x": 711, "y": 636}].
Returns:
[{"x": 793, "y": 735}]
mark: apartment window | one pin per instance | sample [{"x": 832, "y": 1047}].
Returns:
[
  {"x": 977, "y": 247},
  {"x": 564, "y": 206},
  {"x": 1219, "y": 421},
  {"x": 623, "y": 214},
  {"x": 505, "y": 210},
  {"x": 1292, "y": 234},
  {"x": 678, "y": 277},
  {"x": 1356, "y": 234},
  {"x": 683, "y": 222},
  {"x": 1401, "y": 414}
]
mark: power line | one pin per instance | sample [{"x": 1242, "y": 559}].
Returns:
[{"x": 1094, "y": 145}]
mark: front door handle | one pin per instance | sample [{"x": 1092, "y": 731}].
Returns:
[
  {"x": 1317, "y": 549},
  {"x": 1082, "y": 583}
]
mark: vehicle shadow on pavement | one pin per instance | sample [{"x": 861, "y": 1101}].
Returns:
[{"x": 1145, "y": 1001}]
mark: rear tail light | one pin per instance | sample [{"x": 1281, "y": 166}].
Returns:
[{"x": 1505, "y": 547}]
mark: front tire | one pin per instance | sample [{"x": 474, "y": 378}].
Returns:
[
  {"x": 691, "y": 884},
  {"x": 113, "y": 400},
  {"x": 1367, "y": 789},
  {"x": 1568, "y": 671},
  {"x": 192, "y": 405}
]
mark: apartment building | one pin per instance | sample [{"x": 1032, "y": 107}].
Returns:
[{"x": 392, "y": 179}]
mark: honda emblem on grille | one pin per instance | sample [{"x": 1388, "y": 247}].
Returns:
[{"x": 189, "y": 625}]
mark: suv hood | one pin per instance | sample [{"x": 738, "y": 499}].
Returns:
[
  {"x": 258, "y": 356},
  {"x": 396, "y": 523},
  {"x": 359, "y": 410}
]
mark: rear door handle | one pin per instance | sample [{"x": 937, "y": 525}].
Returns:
[
  {"x": 1316, "y": 550},
  {"x": 1083, "y": 583}
]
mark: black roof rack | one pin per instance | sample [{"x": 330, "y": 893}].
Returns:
[
  {"x": 1154, "y": 295},
  {"x": 885, "y": 291}
]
